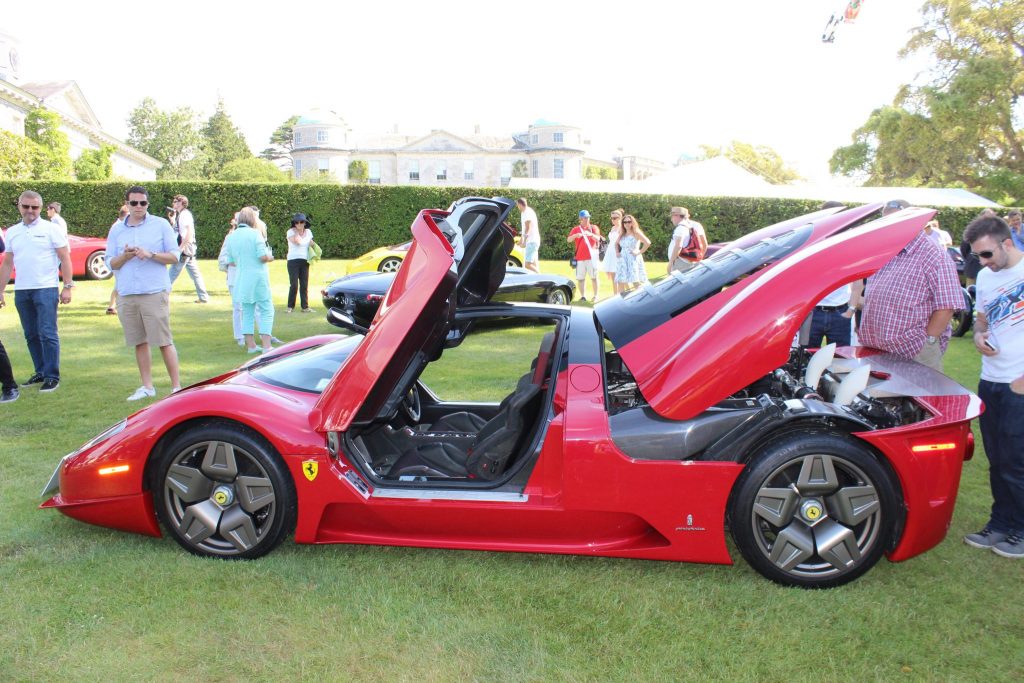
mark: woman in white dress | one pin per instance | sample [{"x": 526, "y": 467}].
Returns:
[{"x": 609, "y": 264}]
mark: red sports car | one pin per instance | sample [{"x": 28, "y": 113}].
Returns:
[
  {"x": 88, "y": 258},
  {"x": 647, "y": 427}
]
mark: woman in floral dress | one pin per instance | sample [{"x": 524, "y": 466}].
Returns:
[{"x": 629, "y": 271}]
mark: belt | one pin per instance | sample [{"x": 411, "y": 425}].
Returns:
[{"x": 830, "y": 309}]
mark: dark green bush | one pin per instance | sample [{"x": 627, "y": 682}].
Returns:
[{"x": 349, "y": 220}]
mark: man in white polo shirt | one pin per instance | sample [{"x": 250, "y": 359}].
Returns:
[{"x": 37, "y": 247}]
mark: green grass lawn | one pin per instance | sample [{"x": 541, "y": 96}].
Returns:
[{"x": 83, "y": 603}]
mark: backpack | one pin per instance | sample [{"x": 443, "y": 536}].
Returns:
[{"x": 693, "y": 251}]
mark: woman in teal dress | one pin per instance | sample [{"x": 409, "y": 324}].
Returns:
[{"x": 248, "y": 250}]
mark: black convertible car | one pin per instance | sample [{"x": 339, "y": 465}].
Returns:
[{"x": 360, "y": 294}]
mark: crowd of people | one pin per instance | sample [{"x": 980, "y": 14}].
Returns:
[{"x": 146, "y": 253}]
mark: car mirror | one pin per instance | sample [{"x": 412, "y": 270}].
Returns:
[{"x": 341, "y": 319}]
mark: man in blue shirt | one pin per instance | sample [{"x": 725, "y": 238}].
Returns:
[
  {"x": 139, "y": 249},
  {"x": 1013, "y": 219}
]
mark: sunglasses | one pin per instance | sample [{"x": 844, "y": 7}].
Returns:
[
  {"x": 30, "y": 207},
  {"x": 983, "y": 254},
  {"x": 139, "y": 202},
  {"x": 627, "y": 221}
]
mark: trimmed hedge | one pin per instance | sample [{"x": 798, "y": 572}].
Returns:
[{"x": 349, "y": 220}]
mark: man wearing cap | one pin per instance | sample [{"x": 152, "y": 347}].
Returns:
[
  {"x": 299, "y": 236},
  {"x": 909, "y": 302},
  {"x": 37, "y": 248},
  {"x": 587, "y": 238},
  {"x": 680, "y": 217},
  {"x": 185, "y": 226}
]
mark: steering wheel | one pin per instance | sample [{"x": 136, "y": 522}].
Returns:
[{"x": 411, "y": 403}]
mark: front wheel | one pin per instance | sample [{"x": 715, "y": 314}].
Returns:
[
  {"x": 222, "y": 491},
  {"x": 513, "y": 262},
  {"x": 813, "y": 510},
  {"x": 96, "y": 266},
  {"x": 390, "y": 265}
]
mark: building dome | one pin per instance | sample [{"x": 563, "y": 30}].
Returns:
[{"x": 321, "y": 117}]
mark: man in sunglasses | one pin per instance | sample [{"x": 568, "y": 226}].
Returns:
[
  {"x": 139, "y": 249},
  {"x": 39, "y": 251},
  {"x": 999, "y": 337}
]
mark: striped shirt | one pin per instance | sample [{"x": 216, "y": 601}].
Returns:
[{"x": 903, "y": 294}]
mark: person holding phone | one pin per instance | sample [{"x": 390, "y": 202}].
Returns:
[
  {"x": 999, "y": 338},
  {"x": 139, "y": 249}
]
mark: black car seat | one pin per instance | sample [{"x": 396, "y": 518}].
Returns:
[{"x": 491, "y": 449}]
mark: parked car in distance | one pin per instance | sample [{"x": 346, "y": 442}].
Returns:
[
  {"x": 389, "y": 259},
  {"x": 651, "y": 426},
  {"x": 88, "y": 257},
  {"x": 360, "y": 294}
]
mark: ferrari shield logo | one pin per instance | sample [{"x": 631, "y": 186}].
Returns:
[{"x": 310, "y": 468}]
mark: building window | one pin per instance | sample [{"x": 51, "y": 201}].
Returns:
[
  {"x": 559, "y": 168},
  {"x": 559, "y": 138},
  {"x": 375, "y": 173},
  {"x": 506, "y": 172},
  {"x": 298, "y": 167},
  {"x": 442, "y": 170},
  {"x": 323, "y": 166},
  {"x": 533, "y": 139},
  {"x": 414, "y": 171},
  {"x": 467, "y": 170},
  {"x": 321, "y": 136},
  {"x": 535, "y": 168},
  {"x": 298, "y": 138}
]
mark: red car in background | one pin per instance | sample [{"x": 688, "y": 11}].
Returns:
[
  {"x": 88, "y": 257},
  {"x": 649, "y": 427}
]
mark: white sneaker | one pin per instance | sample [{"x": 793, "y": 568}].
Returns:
[
  {"x": 141, "y": 393},
  {"x": 175, "y": 390}
]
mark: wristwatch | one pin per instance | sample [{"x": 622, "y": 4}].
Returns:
[
  {"x": 931, "y": 339},
  {"x": 69, "y": 285}
]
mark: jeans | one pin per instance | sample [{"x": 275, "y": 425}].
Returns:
[
  {"x": 7, "y": 381},
  {"x": 189, "y": 263},
  {"x": 1002, "y": 432},
  {"x": 37, "y": 309},
  {"x": 298, "y": 277},
  {"x": 830, "y": 325}
]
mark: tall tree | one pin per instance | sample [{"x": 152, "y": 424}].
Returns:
[
  {"x": 281, "y": 143},
  {"x": 42, "y": 126},
  {"x": 222, "y": 142},
  {"x": 19, "y": 156},
  {"x": 95, "y": 164},
  {"x": 252, "y": 170},
  {"x": 759, "y": 159},
  {"x": 170, "y": 137},
  {"x": 959, "y": 128}
]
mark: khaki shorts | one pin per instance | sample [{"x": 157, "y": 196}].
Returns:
[{"x": 146, "y": 318}]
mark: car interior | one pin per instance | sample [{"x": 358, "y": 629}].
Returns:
[{"x": 434, "y": 439}]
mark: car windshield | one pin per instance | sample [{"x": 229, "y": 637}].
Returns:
[{"x": 309, "y": 370}]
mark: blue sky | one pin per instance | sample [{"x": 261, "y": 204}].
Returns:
[{"x": 654, "y": 77}]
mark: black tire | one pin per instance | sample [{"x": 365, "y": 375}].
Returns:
[
  {"x": 963, "y": 320},
  {"x": 390, "y": 265},
  {"x": 96, "y": 266},
  {"x": 559, "y": 296},
  {"x": 830, "y": 503},
  {"x": 222, "y": 491},
  {"x": 513, "y": 262}
]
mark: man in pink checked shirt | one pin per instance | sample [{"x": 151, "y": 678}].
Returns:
[{"x": 910, "y": 302}]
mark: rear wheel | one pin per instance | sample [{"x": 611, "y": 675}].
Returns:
[
  {"x": 813, "y": 510},
  {"x": 558, "y": 296},
  {"x": 962, "y": 320},
  {"x": 513, "y": 262},
  {"x": 223, "y": 492},
  {"x": 390, "y": 265},
  {"x": 96, "y": 266}
]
